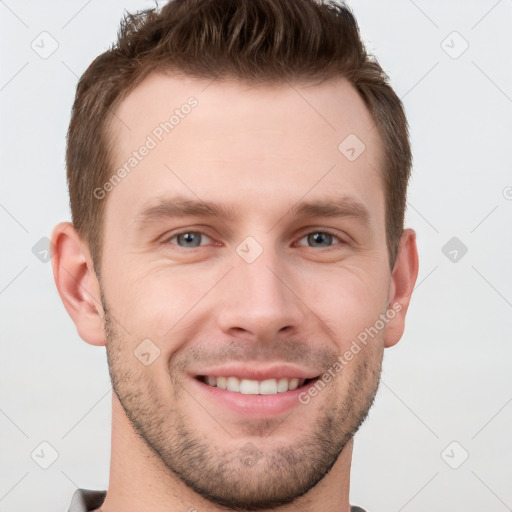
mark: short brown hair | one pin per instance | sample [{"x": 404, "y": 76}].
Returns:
[{"x": 251, "y": 41}]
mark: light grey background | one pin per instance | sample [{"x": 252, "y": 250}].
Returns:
[{"x": 448, "y": 380}]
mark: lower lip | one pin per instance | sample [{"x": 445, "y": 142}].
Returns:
[{"x": 253, "y": 405}]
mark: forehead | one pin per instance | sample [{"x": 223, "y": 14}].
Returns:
[{"x": 232, "y": 142}]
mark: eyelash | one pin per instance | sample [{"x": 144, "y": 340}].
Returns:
[{"x": 167, "y": 240}]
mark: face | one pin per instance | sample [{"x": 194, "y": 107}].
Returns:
[{"x": 243, "y": 254}]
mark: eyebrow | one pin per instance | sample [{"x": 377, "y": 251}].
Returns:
[
  {"x": 182, "y": 207},
  {"x": 177, "y": 207},
  {"x": 342, "y": 207}
]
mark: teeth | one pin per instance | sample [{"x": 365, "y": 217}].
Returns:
[
  {"x": 233, "y": 384},
  {"x": 254, "y": 387},
  {"x": 249, "y": 387},
  {"x": 294, "y": 384},
  {"x": 282, "y": 385},
  {"x": 222, "y": 382},
  {"x": 268, "y": 387}
]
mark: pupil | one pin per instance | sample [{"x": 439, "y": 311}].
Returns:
[
  {"x": 190, "y": 239},
  {"x": 322, "y": 239}
]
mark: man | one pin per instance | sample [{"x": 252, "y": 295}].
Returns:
[{"x": 237, "y": 172}]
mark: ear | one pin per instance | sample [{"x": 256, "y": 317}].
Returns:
[
  {"x": 77, "y": 283},
  {"x": 403, "y": 279}
]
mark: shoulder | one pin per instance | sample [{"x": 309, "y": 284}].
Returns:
[{"x": 85, "y": 500}]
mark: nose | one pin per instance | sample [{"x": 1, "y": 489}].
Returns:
[{"x": 259, "y": 301}]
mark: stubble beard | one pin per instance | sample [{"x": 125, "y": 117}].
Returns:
[{"x": 253, "y": 476}]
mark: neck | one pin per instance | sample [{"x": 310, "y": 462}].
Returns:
[{"x": 140, "y": 482}]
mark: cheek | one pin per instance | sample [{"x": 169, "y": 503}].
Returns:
[
  {"x": 161, "y": 301},
  {"x": 347, "y": 300}
]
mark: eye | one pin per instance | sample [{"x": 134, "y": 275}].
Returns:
[
  {"x": 189, "y": 239},
  {"x": 320, "y": 239}
]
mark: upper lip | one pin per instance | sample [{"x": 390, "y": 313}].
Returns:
[{"x": 258, "y": 372}]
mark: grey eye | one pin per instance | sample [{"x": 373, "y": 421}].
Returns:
[
  {"x": 319, "y": 239},
  {"x": 189, "y": 239}
]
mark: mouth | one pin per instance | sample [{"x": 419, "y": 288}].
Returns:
[
  {"x": 250, "y": 398},
  {"x": 258, "y": 391},
  {"x": 272, "y": 386}
]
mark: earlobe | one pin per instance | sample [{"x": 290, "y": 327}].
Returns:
[
  {"x": 403, "y": 279},
  {"x": 77, "y": 283}
]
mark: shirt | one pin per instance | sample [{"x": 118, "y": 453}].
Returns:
[{"x": 85, "y": 500}]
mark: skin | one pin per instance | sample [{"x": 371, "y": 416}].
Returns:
[{"x": 261, "y": 151}]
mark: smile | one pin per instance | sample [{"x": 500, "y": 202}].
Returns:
[{"x": 254, "y": 387}]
